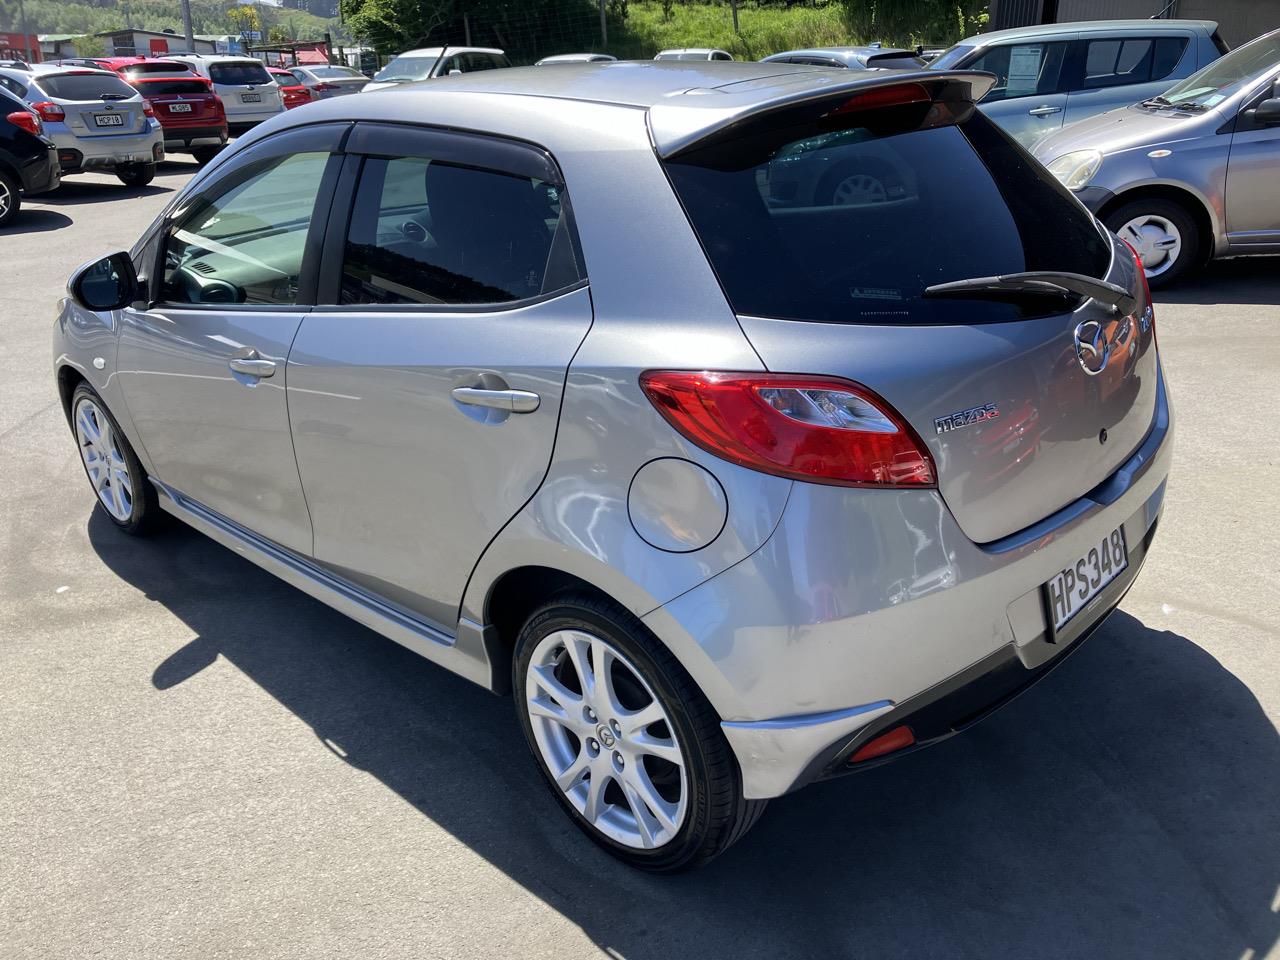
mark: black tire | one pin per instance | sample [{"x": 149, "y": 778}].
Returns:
[
  {"x": 10, "y": 198},
  {"x": 717, "y": 814},
  {"x": 136, "y": 174},
  {"x": 1188, "y": 258},
  {"x": 204, "y": 154},
  {"x": 145, "y": 513}
]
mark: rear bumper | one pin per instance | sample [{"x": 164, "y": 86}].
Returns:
[
  {"x": 877, "y": 599},
  {"x": 178, "y": 138},
  {"x": 108, "y": 152}
]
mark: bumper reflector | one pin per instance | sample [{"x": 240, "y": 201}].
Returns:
[{"x": 888, "y": 742}]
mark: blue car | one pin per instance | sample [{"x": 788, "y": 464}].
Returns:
[{"x": 1053, "y": 75}]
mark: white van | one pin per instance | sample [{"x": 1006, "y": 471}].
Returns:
[{"x": 248, "y": 93}]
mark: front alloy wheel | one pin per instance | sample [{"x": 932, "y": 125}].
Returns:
[
  {"x": 625, "y": 740},
  {"x": 112, "y": 467}
]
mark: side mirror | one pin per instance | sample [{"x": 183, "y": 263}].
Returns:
[
  {"x": 1267, "y": 112},
  {"x": 455, "y": 72},
  {"x": 106, "y": 284}
]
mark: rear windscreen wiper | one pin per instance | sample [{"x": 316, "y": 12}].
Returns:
[
  {"x": 1038, "y": 283},
  {"x": 1155, "y": 102},
  {"x": 114, "y": 96}
]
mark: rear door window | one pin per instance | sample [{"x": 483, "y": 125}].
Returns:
[
  {"x": 427, "y": 231},
  {"x": 847, "y": 218},
  {"x": 86, "y": 87},
  {"x": 1022, "y": 69},
  {"x": 238, "y": 73},
  {"x": 1118, "y": 62}
]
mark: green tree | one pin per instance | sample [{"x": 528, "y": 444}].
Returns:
[
  {"x": 908, "y": 22},
  {"x": 244, "y": 18},
  {"x": 390, "y": 26}
]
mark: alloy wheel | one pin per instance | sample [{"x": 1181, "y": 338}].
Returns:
[
  {"x": 606, "y": 739},
  {"x": 104, "y": 461},
  {"x": 859, "y": 188},
  {"x": 6, "y": 199},
  {"x": 1157, "y": 240}
]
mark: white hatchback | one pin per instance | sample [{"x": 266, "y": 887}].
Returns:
[{"x": 247, "y": 91}]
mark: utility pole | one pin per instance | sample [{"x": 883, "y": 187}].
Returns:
[
  {"x": 187, "y": 30},
  {"x": 604, "y": 28},
  {"x": 734, "y": 5},
  {"x": 22, "y": 25}
]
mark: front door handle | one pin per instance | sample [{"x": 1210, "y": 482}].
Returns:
[
  {"x": 1044, "y": 111},
  {"x": 509, "y": 401},
  {"x": 252, "y": 366}
]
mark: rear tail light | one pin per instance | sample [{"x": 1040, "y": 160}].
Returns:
[
  {"x": 820, "y": 429},
  {"x": 27, "y": 121},
  {"x": 49, "y": 111},
  {"x": 896, "y": 739},
  {"x": 1146, "y": 290},
  {"x": 325, "y": 87},
  {"x": 148, "y": 109},
  {"x": 896, "y": 95},
  {"x": 218, "y": 108}
]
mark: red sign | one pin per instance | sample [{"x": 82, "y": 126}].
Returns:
[
  {"x": 159, "y": 47},
  {"x": 17, "y": 46}
]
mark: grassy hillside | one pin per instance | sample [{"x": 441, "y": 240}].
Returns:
[
  {"x": 68, "y": 16},
  {"x": 764, "y": 30}
]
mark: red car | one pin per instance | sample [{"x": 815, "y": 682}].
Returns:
[
  {"x": 189, "y": 111},
  {"x": 292, "y": 92}
]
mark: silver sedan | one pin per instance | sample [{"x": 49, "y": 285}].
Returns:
[{"x": 326, "y": 81}]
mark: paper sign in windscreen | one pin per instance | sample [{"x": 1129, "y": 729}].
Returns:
[{"x": 1024, "y": 70}]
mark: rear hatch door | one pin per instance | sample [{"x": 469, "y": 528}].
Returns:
[
  {"x": 181, "y": 100},
  {"x": 96, "y": 103},
  {"x": 245, "y": 88},
  {"x": 825, "y": 225}
]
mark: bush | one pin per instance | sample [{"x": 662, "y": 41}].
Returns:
[{"x": 765, "y": 29}]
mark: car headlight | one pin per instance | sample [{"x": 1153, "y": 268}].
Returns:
[{"x": 1077, "y": 168}]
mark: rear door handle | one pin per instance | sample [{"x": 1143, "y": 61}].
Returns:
[
  {"x": 511, "y": 401},
  {"x": 1044, "y": 111},
  {"x": 252, "y": 366}
]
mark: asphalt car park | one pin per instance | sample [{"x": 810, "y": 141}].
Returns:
[{"x": 199, "y": 761}]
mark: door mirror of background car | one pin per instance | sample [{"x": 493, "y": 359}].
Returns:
[
  {"x": 1267, "y": 112},
  {"x": 106, "y": 284}
]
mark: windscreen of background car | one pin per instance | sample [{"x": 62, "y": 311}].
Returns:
[
  {"x": 238, "y": 73},
  {"x": 846, "y": 218},
  {"x": 1223, "y": 77},
  {"x": 406, "y": 68},
  {"x": 85, "y": 86}
]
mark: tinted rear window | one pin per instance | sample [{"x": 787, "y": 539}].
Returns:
[
  {"x": 238, "y": 73},
  {"x": 336, "y": 73},
  {"x": 85, "y": 86},
  {"x": 846, "y": 218},
  {"x": 895, "y": 61},
  {"x": 154, "y": 88},
  {"x": 157, "y": 66}
]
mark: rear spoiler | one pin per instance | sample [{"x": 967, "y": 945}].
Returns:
[{"x": 680, "y": 121}]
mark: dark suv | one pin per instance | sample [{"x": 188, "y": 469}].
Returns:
[{"x": 28, "y": 161}]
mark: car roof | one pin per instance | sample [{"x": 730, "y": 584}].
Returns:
[
  {"x": 437, "y": 51},
  {"x": 1090, "y": 26},
  {"x": 687, "y": 98},
  {"x": 861, "y": 52},
  {"x": 691, "y": 50}
]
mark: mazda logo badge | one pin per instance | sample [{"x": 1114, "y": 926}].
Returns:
[{"x": 1095, "y": 344}]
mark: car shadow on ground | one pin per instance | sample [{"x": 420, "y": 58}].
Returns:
[
  {"x": 1249, "y": 280},
  {"x": 36, "y": 221},
  {"x": 1126, "y": 807},
  {"x": 76, "y": 192}
]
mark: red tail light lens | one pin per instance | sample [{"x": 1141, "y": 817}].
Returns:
[
  {"x": 895, "y": 95},
  {"x": 49, "y": 111},
  {"x": 820, "y": 429},
  {"x": 1146, "y": 289},
  {"x": 324, "y": 87},
  {"x": 148, "y": 109},
  {"x": 26, "y": 120}
]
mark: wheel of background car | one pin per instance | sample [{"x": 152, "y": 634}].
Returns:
[
  {"x": 136, "y": 174},
  {"x": 10, "y": 198},
  {"x": 625, "y": 740},
  {"x": 1164, "y": 234},
  {"x": 113, "y": 469},
  {"x": 858, "y": 188},
  {"x": 204, "y": 154}
]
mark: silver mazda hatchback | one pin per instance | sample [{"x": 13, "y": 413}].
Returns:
[{"x": 588, "y": 385}]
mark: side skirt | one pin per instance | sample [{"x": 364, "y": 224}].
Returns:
[{"x": 466, "y": 654}]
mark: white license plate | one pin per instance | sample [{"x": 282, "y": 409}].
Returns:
[
  {"x": 109, "y": 119},
  {"x": 1071, "y": 590},
  {"x": 250, "y": 98},
  {"x": 179, "y": 108}
]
